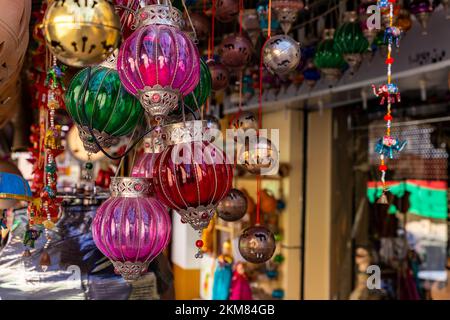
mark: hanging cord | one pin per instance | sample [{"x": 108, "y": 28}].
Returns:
[
  {"x": 190, "y": 21},
  {"x": 91, "y": 131}
]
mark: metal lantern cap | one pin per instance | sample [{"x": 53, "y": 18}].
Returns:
[
  {"x": 328, "y": 34},
  {"x": 158, "y": 101},
  {"x": 160, "y": 14},
  {"x": 130, "y": 187},
  {"x": 111, "y": 61},
  {"x": 104, "y": 140},
  {"x": 185, "y": 132}
]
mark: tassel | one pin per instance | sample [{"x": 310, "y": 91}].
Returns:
[{"x": 45, "y": 261}]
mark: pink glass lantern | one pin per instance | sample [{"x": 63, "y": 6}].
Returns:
[
  {"x": 143, "y": 167},
  {"x": 131, "y": 228},
  {"x": 159, "y": 63}
]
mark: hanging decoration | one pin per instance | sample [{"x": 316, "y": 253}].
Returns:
[
  {"x": 244, "y": 121},
  {"x": 327, "y": 59},
  {"x": 143, "y": 167},
  {"x": 227, "y": 10},
  {"x": 286, "y": 12},
  {"x": 159, "y": 63},
  {"x": 257, "y": 244},
  {"x": 281, "y": 54},
  {"x": 81, "y": 33},
  {"x": 236, "y": 51},
  {"x": 107, "y": 107},
  {"x": 250, "y": 23},
  {"x": 350, "y": 41},
  {"x": 404, "y": 20},
  {"x": 389, "y": 94},
  {"x": 219, "y": 75},
  {"x": 233, "y": 207},
  {"x": 131, "y": 228},
  {"x": 200, "y": 23},
  {"x": 191, "y": 175}
]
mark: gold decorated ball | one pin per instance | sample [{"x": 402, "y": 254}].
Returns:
[{"x": 81, "y": 33}]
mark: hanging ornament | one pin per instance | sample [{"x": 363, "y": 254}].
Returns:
[
  {"x": 404, "y": 20},
  {"x": 286, "y": 12},
  {"x": 219, "y": 75},
  {"x": 327, "y": 59},
  {"x": 107, "y": 108},
  {"x": 201, "y": 25},
  {"x": 212, "y": 122},
  {"x": 158, "y": 77},
  {"x": 131, "y": 228},
  {"x": 227, "y": 10},
  {"x": 389, "y": 93},
  {"x": 202, "y": 91},
  {"x": 385, "y": 15},
  {"x": 250, "y": 23},
  {"x": 281, "y": 54},
  {"x": 263, "y": 15},
  {"x": 350, "y": 41},
  {"x": 191, "y": 175},
  {"x": 257, "y": 244},
  {"x": 81, "y": 33},
  {"x": 258, "y": 155},
  {"x": 388, "y": 145},
  {"x": 236, "y": 51},
  {"x": 422, "y": 10},
  {"x": 245, "y": 120},
  {"x": 233, "y": 207}
]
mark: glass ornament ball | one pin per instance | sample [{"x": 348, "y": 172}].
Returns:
[
  {"x": 257, "y": 244},
  {"x": 81, "y": 33},
  {"x": 281, "y": 54},
  {"x": 245, "y": 120},
  {"x": 219, "y": 75},
  {"x": 236, "y": 51},
  {"x": 233, "y": 207}
]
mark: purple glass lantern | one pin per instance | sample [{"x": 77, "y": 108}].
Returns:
[
  {"x": 131, "y": 228},
  {"x": 159, "y": 63},
  {"x": 143, "y": 167}
]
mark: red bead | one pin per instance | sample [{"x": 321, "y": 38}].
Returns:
[
  {"x": 389, "y": 61},
  {"x": 392, "y": 1},
  {"x": 383, "y": 167},
  {"x": 204, "y": 215},
  {"x": 199, "y": 243},
  {"x": 388, "y": 117}
]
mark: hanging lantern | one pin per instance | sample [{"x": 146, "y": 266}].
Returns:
[
  {"x": 233, "y": 207},
  {"x": 327, "y": 59},
  {"x": 404, "y": 21},
  {"x": 219, "y": 75},
  {"x": 153, "y": 146},
  {"x": 350, "y": 41},
  {"x": 250, "y": 23},
  {"x": 107, "y": 108},
  {"x": 287, "y": 12},
  {"x": 159, "y": 63},
  {"x": 422, "y": 10},
  {"x": 257, "y": 244},
  {"x": 131, "y": 228},
  {"x": 201, "y": 24},
  {"x": 191, "y": 175},
  {"x": 281, "y": 54},
  {"x": 227, "y": 10},
  {"x": 126, "y": 9},
  {"x": 236, "y": 51},
  {"x": 263, "y": 16},
  {"x": 258, "y": 155},
  {"x": 198, "y": 97},
  {"x": 81, "y": 33}
]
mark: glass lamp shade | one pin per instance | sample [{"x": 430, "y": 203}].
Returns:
[
  {"x": 327, "y": 59},
  {"x": 191, "y": 175},
  {"x": 157, "y": 64},
  {"x": 107, "y": 107},
  {"x": 131, "y": 228},
  {"x": 349, "y": 39},
  {"x": 198, "y": 97}
]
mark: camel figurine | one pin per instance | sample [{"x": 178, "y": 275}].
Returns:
[{"x": 387, "y": 92}]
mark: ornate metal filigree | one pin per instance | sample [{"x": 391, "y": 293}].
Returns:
[
  {"x": 199, "y": 217},
  {"x": 130, "y": 187},
  {"x": 111, "y": 61},
  {"x": 158, "y": 101},
  {"x": 185, "y": 132},
  {"x": 105, "y": 140},
  {"x": 160, "y": 14},
  {"x": 130, "y": 270}
]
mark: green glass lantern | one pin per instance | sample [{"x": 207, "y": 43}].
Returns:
[
  {"x": 349, "y": 40},
  {"x": 198, "y": 97},
  {"x": 108, "y": 109},
  {"x": 327, "y": 59}
]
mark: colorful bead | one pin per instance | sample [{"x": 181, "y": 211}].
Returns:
[
  {"x": 388, "y": 117},
  {"x": 382, "y": 167},
  {"x": 199, "y": 243}
]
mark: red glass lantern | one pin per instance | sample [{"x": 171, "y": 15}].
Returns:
[{"x": 191, "y": 175}]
